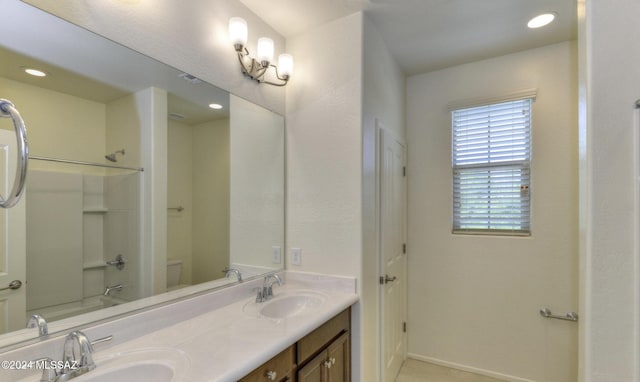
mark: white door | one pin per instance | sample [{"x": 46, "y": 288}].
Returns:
[
  {"x": 393, "y": 273},
  {"x": 12, "y": 240}
]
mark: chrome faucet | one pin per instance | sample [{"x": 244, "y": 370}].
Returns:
[
  {"x": 267, "y": 287},
  {"x": 73, "y": 364},
  {"x": 228, "y": 271},
  {"x": 38, "y": 321},
  {"x": 76, "y": 364},
  {"x": 108, "y": 289},
  {"x": 49, "y": 373}
]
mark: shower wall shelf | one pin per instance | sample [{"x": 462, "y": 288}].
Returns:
[{"x": 95, "y": 210}]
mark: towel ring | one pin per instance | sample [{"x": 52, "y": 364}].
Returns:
[{"x": 8, "y": 110}]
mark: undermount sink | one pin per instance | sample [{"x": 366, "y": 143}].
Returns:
[
  {"x": 286, "y": 304},
  {"x": 144, "y": 365},
  {"x": 155, "y": 372}
]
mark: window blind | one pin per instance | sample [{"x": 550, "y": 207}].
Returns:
[{"x": 491, "y": 157}]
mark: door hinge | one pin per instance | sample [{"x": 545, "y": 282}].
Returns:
[
  {"x": 404, "y": 327},
  {"x": 404, "y": 171},
  {"x": 404, "y": 248}
]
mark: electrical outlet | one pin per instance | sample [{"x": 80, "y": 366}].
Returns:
[
  {"x": 296, "y": 256},
  {"x": 276, "y": 257}
]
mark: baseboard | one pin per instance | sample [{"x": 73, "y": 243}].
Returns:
[{"x": 453, "y": 365}]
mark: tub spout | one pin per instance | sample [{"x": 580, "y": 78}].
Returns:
[{"x": 108, "y": 289}]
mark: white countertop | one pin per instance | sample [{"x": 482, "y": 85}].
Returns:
[{"x": 227, "y": 343}]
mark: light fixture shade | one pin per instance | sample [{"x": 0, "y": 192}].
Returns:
[
  {"x": 285, "y": 65},
  {"x": 238, "y": 31},
  {"x": 265, "y": 49}
]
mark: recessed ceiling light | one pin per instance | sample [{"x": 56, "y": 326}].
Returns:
[
  {"x": 541, "y": 20},
  {"x": 215, "y": 106},
  {"x": 35, "y": 72}
]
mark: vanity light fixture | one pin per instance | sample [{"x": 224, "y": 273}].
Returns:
[
  {"x": 541, "y": 20},
  {"x": 257, "y": 68}
]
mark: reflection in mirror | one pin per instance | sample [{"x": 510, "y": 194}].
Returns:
[
  {"x": 80, "y": 236},
  {"x": 225, "y": 182}
]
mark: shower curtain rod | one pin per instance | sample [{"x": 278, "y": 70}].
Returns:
[{"x": 140, "y": 169}]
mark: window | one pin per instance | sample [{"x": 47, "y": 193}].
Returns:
[{"x": 491, "y": 157}]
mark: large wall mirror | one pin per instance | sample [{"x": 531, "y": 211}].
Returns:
[{"x": 144, "y": 183}]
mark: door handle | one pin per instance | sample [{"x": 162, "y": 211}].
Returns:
[
  {"x": 15, "y": 284},
  {"x": 388, "y": 279}
]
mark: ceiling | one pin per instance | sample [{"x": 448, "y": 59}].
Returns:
[{"x": 426, "y": 35}]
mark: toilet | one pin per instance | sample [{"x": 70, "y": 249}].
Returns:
[{"x": 174, "y": 268}]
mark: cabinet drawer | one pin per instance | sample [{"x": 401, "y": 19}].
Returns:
[
  {"x": 319, "y": 338},
  {"x": 281, "y": 365}
]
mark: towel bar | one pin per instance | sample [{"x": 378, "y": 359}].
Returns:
[{"x": 570, "y": 316}]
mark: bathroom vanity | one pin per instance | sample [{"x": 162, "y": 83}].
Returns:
[
  {"x": 302, "y": 333},
  {"x": 322, "y": 355}
]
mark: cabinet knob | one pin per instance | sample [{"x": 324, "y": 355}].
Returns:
[
  {"x": 271, "y": 375},
  {"x": 327, "y": 364},
  {"x": 332, "y": 360}
]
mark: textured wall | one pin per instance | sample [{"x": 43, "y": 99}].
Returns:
[
  {"x": 324, "y": 153},
  {"x": 474, "y": 300},
  {"x": 257, "y": 197},
  {"x": 324, "y": 148},
  {"x": 383, "y": 100},
  {"x": 609, "y": 149}
]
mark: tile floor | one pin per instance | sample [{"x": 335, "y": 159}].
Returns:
[{"x": 418, "y": 371}]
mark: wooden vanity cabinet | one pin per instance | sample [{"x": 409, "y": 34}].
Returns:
[
  {"x": 280, "y": 368},
  {"x": 324, "y": 355},
  {"x": 331, "y": 365}
]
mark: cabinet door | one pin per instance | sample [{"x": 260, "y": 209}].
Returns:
[
  {"x": 339, "y": 360},
  {"x": 315, "y": 370}
]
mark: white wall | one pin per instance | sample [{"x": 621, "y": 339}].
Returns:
[
  {"x": 324, "y": 148},
  {"x": 609, "y": 128},
  {"x": 123, "y": 130},
  {"x": 180, "y": 193},
  {"x": 198, "y": 180},
  {"x": 474, "y": 300},
  {"x": 383, "y": 100},
  {"x": 191, "y": 37},
  {"x": 152, "y": 107},
  {"x": 256, "y": 209},
  {"x": 324, "y": 154},
  {"x": 211, "y": 185},
  {"x": 78, "y": 131}
]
